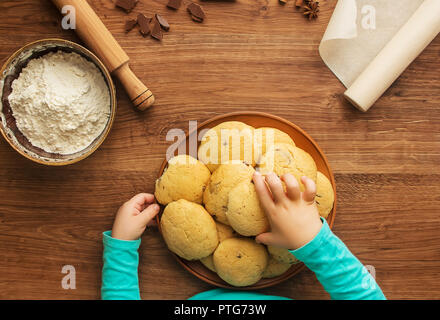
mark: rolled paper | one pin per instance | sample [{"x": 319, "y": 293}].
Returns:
[{"x": 412, "y": 38}]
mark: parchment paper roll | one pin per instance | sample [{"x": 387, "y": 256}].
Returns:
[{"x": 414, "y": 36}]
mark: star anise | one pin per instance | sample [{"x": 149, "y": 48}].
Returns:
[{"x": 311, "y": 9}]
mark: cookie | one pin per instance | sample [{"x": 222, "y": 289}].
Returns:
[
  {"x": 282, "y": 255},
  {"x": 223, "y": 179},
  {"x": 284, "y": 158},
  {"x": 240, "y": 261},
  {"x": 208, "y": 262},
  {"x": 185, "y": 178},
  {"x": 231, "y": 140},
  {"x": 325, "y": 196},
  {"x": 275, "y": 268},
  {"x": 267, "y": 137},
  {"x": 188, "y": 229},
  {"x": 244, "y": 213},
  {"x": 224, "y": 232}
]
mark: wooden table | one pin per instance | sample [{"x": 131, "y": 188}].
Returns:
[{"x": 248, "y": 55}]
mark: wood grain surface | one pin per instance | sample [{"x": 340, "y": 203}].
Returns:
[{"x": 247, "y": 55}]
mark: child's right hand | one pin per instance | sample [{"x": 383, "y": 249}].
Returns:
[
  {"x": 133, "y": 216},
  {"x": 293, "y": 215}
]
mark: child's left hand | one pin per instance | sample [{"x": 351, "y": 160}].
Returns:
[{"x": 133, "y": 216}]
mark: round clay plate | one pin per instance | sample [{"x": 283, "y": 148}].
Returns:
[{"x": 303, "y": 141}]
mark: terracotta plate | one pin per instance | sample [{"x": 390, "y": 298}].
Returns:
[{"x": 303, "y": 141}]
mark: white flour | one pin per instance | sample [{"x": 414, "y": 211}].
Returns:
[{"x": 61, "y": 102}]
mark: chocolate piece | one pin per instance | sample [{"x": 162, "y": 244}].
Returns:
[
  {"x": 156, "y": 33},
  {"x": 130, "y": 24},
  {"x": 163, "y": 23},
  {"x": 196, "y": 19},
  {"x": 144, "y": 24},
  {"x": 196, "y": 10},
  {"x": 174, "y": 4},
  {"x": 126, "y": 5}
]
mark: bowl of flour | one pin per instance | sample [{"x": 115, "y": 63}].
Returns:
[{"x": 57, "y": 102}]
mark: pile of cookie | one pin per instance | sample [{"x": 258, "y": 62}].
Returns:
[{"x": 212, "y": 211}]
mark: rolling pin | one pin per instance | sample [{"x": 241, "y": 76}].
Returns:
[{"x": 97, "y": 37}]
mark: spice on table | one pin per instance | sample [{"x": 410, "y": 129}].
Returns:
[
  {"x": 311, "y": 9},
  {"x": 174, "y": 4},
  {"x": 282, "y": 1},
  {"x": 130, "y": 24},
  {"x": 196, "y": 11},
  {"x": 299, "y": 3},
  {"x": 156, "y": 32},
  {"x": 162, "y": 22},
  {"x": 144, "y": 24},
  {"x": 126, "y": 5}
]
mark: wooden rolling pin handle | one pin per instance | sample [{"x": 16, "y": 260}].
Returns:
[
  {"x": 99, "y": 39},
  {"x": 141, "y": 97}
]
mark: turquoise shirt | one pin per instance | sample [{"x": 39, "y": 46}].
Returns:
[{"x": 341, "y": 274}]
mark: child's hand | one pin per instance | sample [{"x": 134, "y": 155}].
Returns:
[
  {"x": 293, "y": 215},
  {"x": 133, "y": 216}
]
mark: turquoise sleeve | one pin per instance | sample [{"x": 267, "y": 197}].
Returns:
[
  {"x": 120, "y": 269},
  {"x": 341, "y": 274},
  {"x": 339, "y": 271},
  {"x": 226, "y": 294}
]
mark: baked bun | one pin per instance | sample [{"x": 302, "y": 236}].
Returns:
[
  {"x": 185, "y": 178},
  {"x": 231, "y": 140},
  {"x": 222, "y": 181},
  {"x": 325, "y": 197},
  {"x": 240, "y": 261},
  {"x": 244, "y": 213},
  {"x": 284, "y": 158},
  {"x": 188, "y": 229}
]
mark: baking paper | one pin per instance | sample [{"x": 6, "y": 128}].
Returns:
[{"x": 359, "y": 30}]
